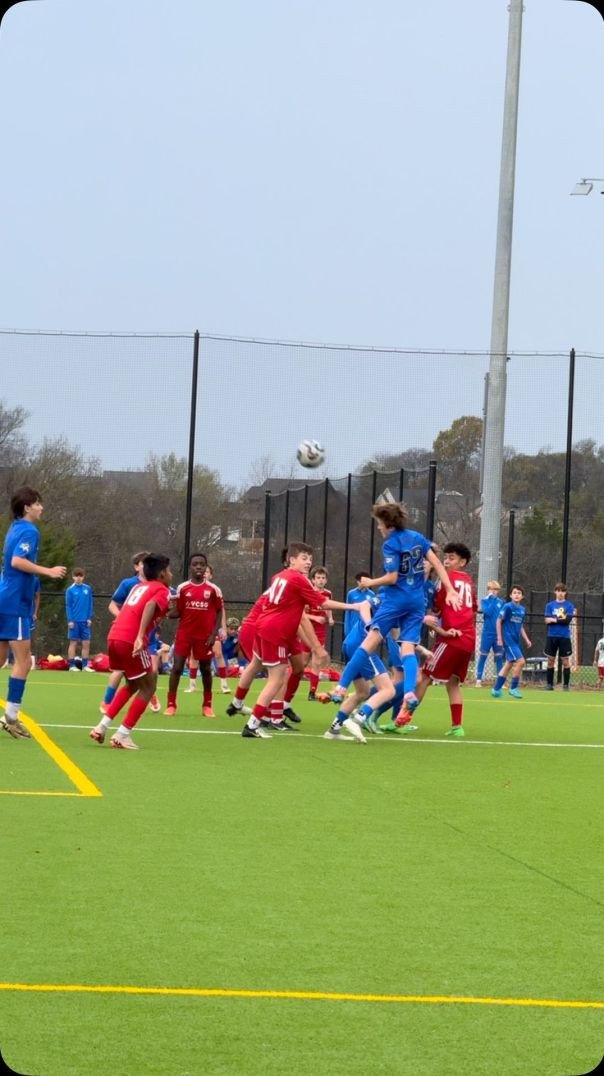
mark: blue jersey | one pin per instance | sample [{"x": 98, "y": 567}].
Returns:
[
  {"x": 229, "y": 648},
  {"x": 512, "y": 617},
  {"x": 351, "y": 617},
  {"x": 79, "y": 603},
  {"x": 566, "y": 611},
  {"x": 123, "y": 589},
  {"x": 490, "y": 608},
  {"x": 404, "y": 553},
  {"x": 17, "y": 588},
  {"x": 430, "y": 587}
]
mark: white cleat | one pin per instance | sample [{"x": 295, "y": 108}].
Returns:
[{"x": 354, "y": 729}]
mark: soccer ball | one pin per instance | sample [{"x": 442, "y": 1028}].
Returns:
[{"x": 310, "y": 454}]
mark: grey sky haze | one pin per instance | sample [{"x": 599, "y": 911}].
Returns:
[{"x": 308, "y": 171}]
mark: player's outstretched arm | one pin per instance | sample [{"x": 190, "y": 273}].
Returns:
[{"x": 27, "y": 566}]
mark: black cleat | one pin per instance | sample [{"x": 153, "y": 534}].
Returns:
[
  {"x": 312, "y": 697},
  {"x": 254, "y": 734},
  {"x": 282, "y": 726},
  {"x": 291, "y": 715}
]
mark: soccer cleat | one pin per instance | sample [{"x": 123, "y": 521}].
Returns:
[
  {"x": 155, "y": 705},
  {"x": 234, "y": 711},
  {"x": 73, "y": 668},
  {"x": 170, "y": 710},
  {"x": 335, "y": 733},
  {"x": 373, "y": 725},
  {"x": 399, "y": 730},
  {"x": 97, "y": 734},
  {"x": 410, "y": 702},
  {"x": 15, "y": 728},
  {"x": 224, "y": 687},
  {"x": 312, "y": 696},
  {"x": 323, "y": 696},
  {"x": 281, "y": 726},
  {"x": 125, "y": 743},
  {"x": 548, "y": 687},
  {"x": 478, "y": 683},
  {"x": 192, "y": 687},
  {"x": 515, "y": 693},
  {"x": 456, "y": 732},
  {"x": 207, "y": 711},
  {"x": 497, "y": 693},
  {"x": 338, "y": 694},
  {"x": 87, "y": 668},
  {"x": 254, "y": 734},
  {"x": 291, "y": 715},
  {"x": 354, "y": 729}
]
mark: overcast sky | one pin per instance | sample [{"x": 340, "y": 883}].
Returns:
[{"x": 309, "y": 170}]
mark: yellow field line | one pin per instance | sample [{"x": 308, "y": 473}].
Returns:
[
  {"x": 77, "y": 777},
  {"x": 299, "y": 995}
]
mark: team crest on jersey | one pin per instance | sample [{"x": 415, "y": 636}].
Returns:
[
  {"x": 207, "y": 594},
  {"x": 25, "y": 547}
]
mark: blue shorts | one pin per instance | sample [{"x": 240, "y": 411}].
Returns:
[
  {"x": 512, "y": 651},
  {"x": 409, "y": 618},
  {"x": 79, "y": 633},
  {"x": 153, "y": 643},
  {"x": 14, "y": 628}
]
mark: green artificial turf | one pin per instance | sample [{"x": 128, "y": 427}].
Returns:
[{"x": 417, "y": 867}]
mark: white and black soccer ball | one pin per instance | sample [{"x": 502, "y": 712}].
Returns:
[{"x": 310, "y": 454}]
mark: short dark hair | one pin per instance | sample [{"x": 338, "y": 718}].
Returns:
[
  {"x": 202, "y": 555},
  {"x": 78, "y": 571},
  {"x": 460, "y": 548},
  {"x": 319, "y": 570},
  {"x": 21, "y": 499},
  {"x": 153, "y": 564},
  {"x": 516, "y": 586},
  {"x": 137, "y": 557},
  {"x": 360, "y": 576},
  {"x": 561, "y": 586},
  {"x": 295, "y": 548}
]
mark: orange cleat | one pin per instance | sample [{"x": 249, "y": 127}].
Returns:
[
  {"x": 207, "y": 711},
  {"x": 170, "y": 711},
  {"x": 155, "y": 704}
]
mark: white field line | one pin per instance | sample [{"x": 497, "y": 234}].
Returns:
[{"x": 445, "y": 742}]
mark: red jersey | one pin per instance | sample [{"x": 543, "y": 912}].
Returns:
[
  {"x": 285, "y": 600},
  {"x": 198, "y": 606},
  {"x": 462, "y": 619},
  {"x": 317, "y": 609},
  {"x": 254, "y": 613},
  {"x": 126, "y": 625}
]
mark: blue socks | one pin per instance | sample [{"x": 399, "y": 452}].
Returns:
[{"x": 16, "y": 688}]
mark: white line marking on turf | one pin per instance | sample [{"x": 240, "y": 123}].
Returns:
[{"x": 374, "y": 739}]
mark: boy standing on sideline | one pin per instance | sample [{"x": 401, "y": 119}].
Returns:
[
  {"x": 19, "y": 569},
  {"x": 599, "y": 661},
  {"x": 490, "y": 607},
  {"x": 127, "y": 644},
  {"x": 79, "y": 607},
  {"x": 510, "y": 630},
  {"x": 558, "y": 617}
]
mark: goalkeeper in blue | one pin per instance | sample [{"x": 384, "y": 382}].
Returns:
[{"x": 401, "y": 594}]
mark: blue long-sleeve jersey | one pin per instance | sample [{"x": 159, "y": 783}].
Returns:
[{"x": 79, "y": 603}]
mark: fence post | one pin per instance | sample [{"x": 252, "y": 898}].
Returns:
[
  {"x": 372, "y": 524},
  {"x": 266, "y": 540},
  {"x": 305, "y": 517},
  {"x": 568, "y": 468},
  {"x": 325, "y": 506},
  {"x": 347, "y": 536},
  {"x": 430, "y": 513},
  {"x": 191, "y": 461},
  {"x": 401, "y": 483},
  {"x": 510, "y": 567},
  {"x": 286, "y": 521}
]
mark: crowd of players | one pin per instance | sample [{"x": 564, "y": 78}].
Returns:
[{"x": 286, "y": 631}]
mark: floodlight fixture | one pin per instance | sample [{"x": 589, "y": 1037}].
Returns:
[{"x": 586, "y": 185}]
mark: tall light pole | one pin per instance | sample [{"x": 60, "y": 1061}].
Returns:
[{"x": 493, "y": 434}]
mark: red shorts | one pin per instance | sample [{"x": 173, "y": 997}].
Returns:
[
  {"x": 184, "y": 646},
  {"x": 601, "y": 672},
  {"x": 447, "y": 661},
  {"x": 247, "y": 634},
  {"x": 271, "y": 653},
  {"x": 121, "y": 659}
]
